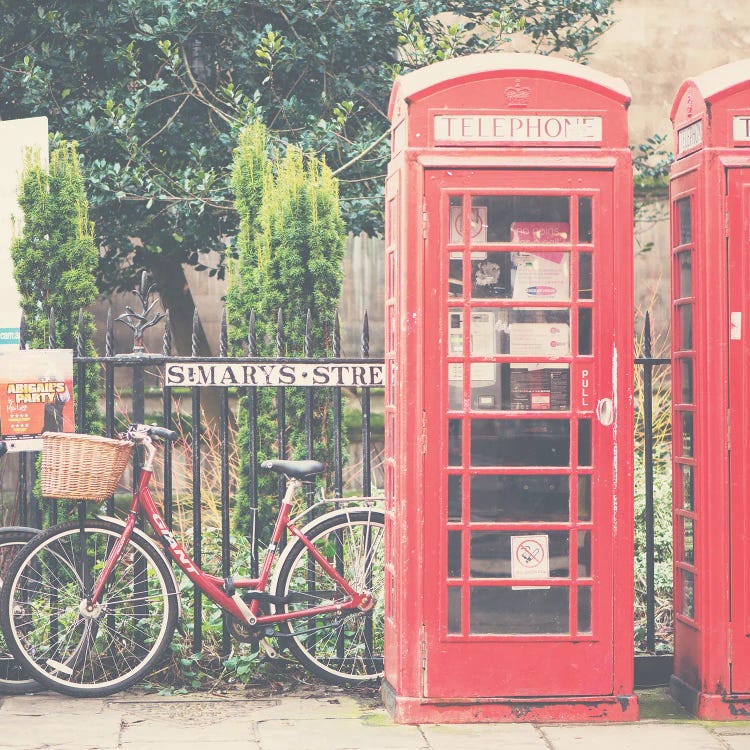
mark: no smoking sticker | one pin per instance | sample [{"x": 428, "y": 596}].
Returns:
[{"x": 529, "y": 558}]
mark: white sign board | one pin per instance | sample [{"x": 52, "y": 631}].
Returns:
[
  {"x": 36, "y": 396},
  {"x": 689, "y": 137},
  {"x": 16, "y": 137},
  {"x": 226, "y": 375},
  {"x": 488, "y": 129},
  {"x": 529, "y": 558},
  {"x": 741, "y": 128}
]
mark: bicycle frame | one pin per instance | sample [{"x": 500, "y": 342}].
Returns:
[{"x": 213, "y": 586}]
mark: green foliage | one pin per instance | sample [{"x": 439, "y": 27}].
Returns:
[
  {"x": 157, "y": 92},
  {"x": 243, "y": 667},
  {"x": 427, "y": 40},
  {"x": 290, "y": 251},
  {"x": 55, "y": 259},
  {"x": 186, "y": 671},
  {"x": 662, "y": 552},
  {"x": 661, "y": 425},
  {"x": 651, "y": 162}
]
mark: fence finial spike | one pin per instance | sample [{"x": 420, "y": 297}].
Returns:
[
  {"x": 22, "y": 333},
  {"x": 166, "y": 341},
  {"x": 138, "y": 322},
  {"x": 194, "y": 336},
  {"x": 223, "y": 334},
  {"x": 366, "y": 336},
  {"x": 81, "y": 337},
  {"x": 336, "y": 334},
  {"x": 52, "y": 339},
  {"x": 280, "y": 334},
  {"x": 308, "y": 334},
  {"x": 252, "y": 341},
  {"x": 109, "y": 336}
]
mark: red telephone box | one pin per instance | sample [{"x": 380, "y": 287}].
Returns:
[
  {"x": 710, "y": 231},
  {"x": 509, "y": 579}
]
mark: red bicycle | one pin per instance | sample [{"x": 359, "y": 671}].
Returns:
[{"x": 89, "y": 607}]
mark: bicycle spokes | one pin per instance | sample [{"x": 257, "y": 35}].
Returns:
[
  {"x": 344, "y": 646},
  {"x": 74, "y": 641}
]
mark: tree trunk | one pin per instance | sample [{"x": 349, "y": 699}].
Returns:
[{"x": 174, "y": 290}]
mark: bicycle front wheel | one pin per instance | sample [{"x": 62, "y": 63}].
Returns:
[
  {"x": 71, "y": 647},
  {"x": 344, "y": 647},
  {"x": 13, "y": 680}
]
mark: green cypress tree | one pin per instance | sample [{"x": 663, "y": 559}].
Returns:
[
  {"x": 55, "y": 259},
  {"x": 290, "y": 251}
]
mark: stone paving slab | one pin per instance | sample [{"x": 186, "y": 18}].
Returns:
[
  {"x": 483, "y": 736},
  {"x": 338, "y": 734},
  {"x": 166, "y": 744},
  {"x": 291, "y": 707},
  {"x": 22, "y": 731},
  {"x": 186, "y": 714},
  {"x": 731, "y": 727},
  {"x": 44, "y": 703},
  {"x": 632, "y": 737},
  {"x": 320, "y": 720},
  {"x": 152, "y": 730}
]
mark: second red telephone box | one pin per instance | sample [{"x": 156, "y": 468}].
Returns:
[
  {"x": 710, "y": 228},
  {"x": 509, "y": 578}
]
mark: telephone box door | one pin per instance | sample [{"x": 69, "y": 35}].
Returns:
[
  {"x": 525, "y": 399},
  {"x": 739, "y": 403}
]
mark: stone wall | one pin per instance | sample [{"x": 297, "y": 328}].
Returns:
[{"x": 655, "y": 47}]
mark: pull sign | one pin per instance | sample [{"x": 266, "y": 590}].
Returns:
[
  {"x": 585, "y": 389},
  {"x": 735, "y": 326},
  {"x": 605, "y": 412}
]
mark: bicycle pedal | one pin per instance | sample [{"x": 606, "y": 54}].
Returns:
[{"x": 270, "y": 651}]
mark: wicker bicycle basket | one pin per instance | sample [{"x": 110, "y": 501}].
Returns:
[{"x": 82, "y": 467}]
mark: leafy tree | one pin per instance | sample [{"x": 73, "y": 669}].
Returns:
[
  {"x": 290, "y": 251},
  {"x": 55, "y": 258},
  {"x": 156, "y": 92}
]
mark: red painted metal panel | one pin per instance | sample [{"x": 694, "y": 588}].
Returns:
[
  {"x": 739, "y": 428},
  {"x": 509, "y": 393},
  {"x": 710, "y": 193},
  {"x": 522, "y": 660}
]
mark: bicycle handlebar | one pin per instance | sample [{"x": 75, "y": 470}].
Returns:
[
  {"x": 163, "y": 432},
  {"x": 153, "y": 430}
]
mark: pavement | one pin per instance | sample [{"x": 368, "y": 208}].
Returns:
[{"x": 324, "y": 719}]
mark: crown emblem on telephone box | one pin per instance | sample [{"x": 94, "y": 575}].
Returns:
[{"x": 517, "y": 95}]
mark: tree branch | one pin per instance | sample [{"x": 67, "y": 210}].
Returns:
[
  {"x": 171, "y": 119},
  {"x": 362, "y": 153}
]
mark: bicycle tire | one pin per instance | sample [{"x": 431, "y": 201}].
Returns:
[
  {"x": 13, "y": 680},
  {"x": 87, "y": 654},
  {"x": 345, "y": 648}
]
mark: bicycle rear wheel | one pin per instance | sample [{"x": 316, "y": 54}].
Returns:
[
  {"x": 343, "y": 647},
  {"x": 49, "y": 629},
  {"x": 13, "y": 680}
]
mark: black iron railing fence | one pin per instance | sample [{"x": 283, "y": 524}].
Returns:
[
  {"x": 648, "y": 363},
  {"x": 132, "y": 371},
  {"x": 137, "y": 367}
]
